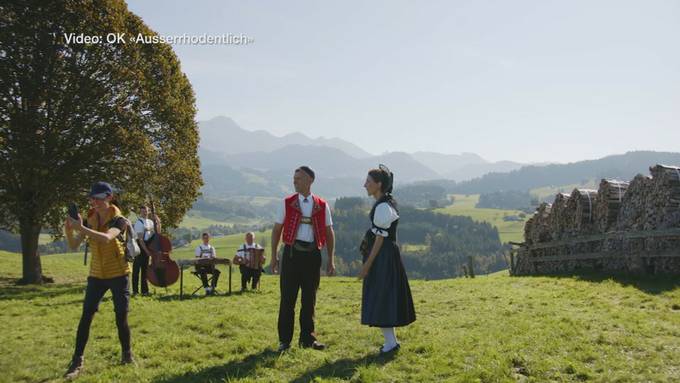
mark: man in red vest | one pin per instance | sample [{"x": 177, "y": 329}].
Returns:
[{"x": 306, "y": 224}]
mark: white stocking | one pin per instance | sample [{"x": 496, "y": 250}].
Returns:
[{"x": 390, "y": 337}]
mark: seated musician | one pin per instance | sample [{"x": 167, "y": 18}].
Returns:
[
  {"x": 250, "y": 258},
  {"x": 207, "y": 251}
]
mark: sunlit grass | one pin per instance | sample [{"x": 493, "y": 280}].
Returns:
[
  {"x": 488, "y": 329},
  {"x": 465, "y": 205}
]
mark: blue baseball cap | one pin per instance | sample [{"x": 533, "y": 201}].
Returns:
[{"x": 101, "y": 190}]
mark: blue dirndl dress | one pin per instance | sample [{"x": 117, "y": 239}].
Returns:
[{"x": 386, "y": 299}]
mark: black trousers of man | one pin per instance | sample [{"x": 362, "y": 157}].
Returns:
[
  {"x": 248, "y": 274},
  {"x": 300, "y": 270},
  {"x": 139, "y": 267},
  {"x": 204, "y": 270}
]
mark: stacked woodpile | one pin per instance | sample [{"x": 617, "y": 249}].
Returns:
[
  {"x": 633, "y": 214},
  {"x": 537, "y": 228},
  {"x": 581, "y": 208},
  {"x": 608, "y": 204},
  {"x": 663, "y": 200},
  {"x": 622, "y": 226},
  {"x": 559, "y": 216}
]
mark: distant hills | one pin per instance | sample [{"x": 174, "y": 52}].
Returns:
[
  {"x": 236, "y": 161},
  {"x": 462, "y": 167},
  {"x": 222, "y": 134},
  {"x": 621, "y": 166},
  {"x": 244, "y": 156}
]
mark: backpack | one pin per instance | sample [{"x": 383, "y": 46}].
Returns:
[{"x": 128, "y": 238}]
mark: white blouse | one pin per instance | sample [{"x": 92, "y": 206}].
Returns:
[{"x": 383, "y": 217}]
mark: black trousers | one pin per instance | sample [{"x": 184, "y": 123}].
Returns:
[
  {"x": 96, "y": 288},
  {"x": 204, "y": 270},
  {"x": 300, "y": 270},
  {"x": 248, "y": 274},
  {"x": 139, "y": 267}
]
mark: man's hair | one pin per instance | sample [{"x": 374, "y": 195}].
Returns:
[
  {"x": 307, "y": 170},
  {"x": 143, "y": 207},
  {"x": 205, "y": 234}
]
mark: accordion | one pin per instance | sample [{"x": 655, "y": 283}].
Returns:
[{"x": 251, "y": 258}]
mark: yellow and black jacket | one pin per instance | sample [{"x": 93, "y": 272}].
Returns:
[{"x": 108, "y": 259}]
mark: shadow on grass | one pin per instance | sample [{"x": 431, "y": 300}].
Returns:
[
  {"x": 342, "y": 368},
  {"x": 233, "y": 370},
  {"x": 9, "y": 289},
  {"x": 649, "y": 284},
  {"x": 164, "y": 297}
]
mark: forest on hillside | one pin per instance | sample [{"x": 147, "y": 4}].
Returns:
[{"x": 434, "y": 246}]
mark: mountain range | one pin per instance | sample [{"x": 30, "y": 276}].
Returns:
[
  {"x": 224, "y": 142},
  {"x": 236, "y": 161}
]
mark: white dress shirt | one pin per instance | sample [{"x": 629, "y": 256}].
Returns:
[
  {"x": 144, "y": 226},
  {"x": 241, "y": 252},
  {"x": 305, "y": 231},
  {"x": 205, "y": 251}
]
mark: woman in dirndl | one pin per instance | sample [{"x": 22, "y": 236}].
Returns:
[{"x": 386, "y": 297}]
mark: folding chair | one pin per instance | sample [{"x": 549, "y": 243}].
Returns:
[{"x": 210, "y": 279}]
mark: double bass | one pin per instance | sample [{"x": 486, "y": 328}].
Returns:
[{"x": 163, "y": 271}]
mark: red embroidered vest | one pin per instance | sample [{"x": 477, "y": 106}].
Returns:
[{"x": 293, "y": 219}]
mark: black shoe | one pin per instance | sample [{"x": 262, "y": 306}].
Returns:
[
  {"x": 392, "y": 350},
  {"x": 283, "y": 347},
  {"x": 127, "y": 358},
  {"x": 316, "y": 345},
  {"x": 75, "y": 368}
]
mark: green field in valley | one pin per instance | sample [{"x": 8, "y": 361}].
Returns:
[
  {"x": 488, "y": 329},
  {"x": 508, "y": 230}
]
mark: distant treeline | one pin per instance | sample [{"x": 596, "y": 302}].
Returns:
[
  {"x": 231, "y": 208},
  {"x": 182, "y": 236},
  {"x": 507, "y": 199},
  {"x": 624, "y": 166},
  {"x": 423, "y": 196},
  {"x": 12, "y": 242},
  {"x": 438, "y": 245}
]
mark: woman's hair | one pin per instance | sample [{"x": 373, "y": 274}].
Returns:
[{"x": 385, "y": 177}]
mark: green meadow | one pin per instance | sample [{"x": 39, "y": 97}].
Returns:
[
  {"x": 488, "y": 329},
  {"x": 508, "y": 230}
]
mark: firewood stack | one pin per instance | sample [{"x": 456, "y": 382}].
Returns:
[
  {"x": 581, "y": 206},
  {"x": 537, "y": 228},
  {"x": 633, "y": 213},
  {"x": 608, "y": 203},
  {"x": 558, "y": 216},
  {"x": 634, "y": 216},
  {"x": 663, "y": 200}
]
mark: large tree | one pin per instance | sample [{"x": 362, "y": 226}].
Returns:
[{"x": 75, "y": 113}]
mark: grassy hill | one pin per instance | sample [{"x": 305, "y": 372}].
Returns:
[
  {"x": 465, "y": 205},
  {"x": 489, "y": 329}
]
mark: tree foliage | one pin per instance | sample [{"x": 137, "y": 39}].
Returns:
[{"x": 73, "y": 114}]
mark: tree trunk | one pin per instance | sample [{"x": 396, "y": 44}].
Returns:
[{"x": 30, "y": 233}]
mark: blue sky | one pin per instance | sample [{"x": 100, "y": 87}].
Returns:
[{"x": 528, "y": 81}]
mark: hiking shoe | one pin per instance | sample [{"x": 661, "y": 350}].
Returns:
[{"x": 75, "y": 368}]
